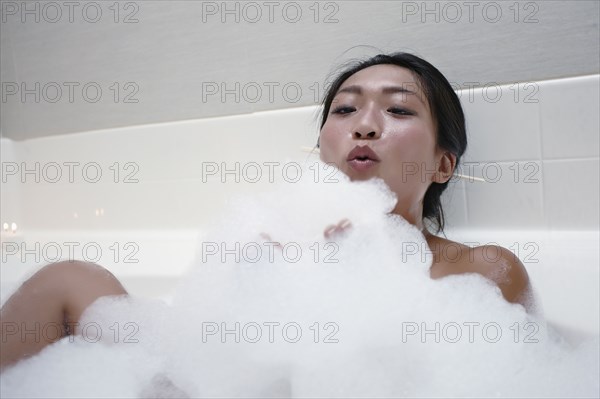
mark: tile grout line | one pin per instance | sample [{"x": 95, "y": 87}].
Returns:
[{"x": 543, "y": 194}]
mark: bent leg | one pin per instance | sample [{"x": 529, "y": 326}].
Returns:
[{"x": 48, "y": 304}]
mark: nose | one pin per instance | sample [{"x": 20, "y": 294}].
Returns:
[
  {"x": 371, "y": 135},
  {"x": 367, "y": 126}
]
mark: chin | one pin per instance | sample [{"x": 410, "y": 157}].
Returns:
[{"x": 359, "y": 176}]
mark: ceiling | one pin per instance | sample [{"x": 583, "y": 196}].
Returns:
[{"x": 98, "y": 66}]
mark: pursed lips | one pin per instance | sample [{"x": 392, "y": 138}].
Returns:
[{"x": 362, "y": 158}]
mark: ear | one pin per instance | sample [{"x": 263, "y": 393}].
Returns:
[{"x": 445, "y": 165}]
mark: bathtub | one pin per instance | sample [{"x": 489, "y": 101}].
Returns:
[
  {"x": 563, "y": 265},
  {"x": 150, "y": 230}
]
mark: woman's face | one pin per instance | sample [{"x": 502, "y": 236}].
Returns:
[{"x": 383, "y": 109}]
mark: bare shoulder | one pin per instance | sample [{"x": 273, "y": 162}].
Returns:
[
  {"x": 504, "y": 268},
  {"x": 494, "y": 262}
]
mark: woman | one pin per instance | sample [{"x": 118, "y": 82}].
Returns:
[
  {"x": 397, "y": 117},
  {"x": 391, "y": 116}
]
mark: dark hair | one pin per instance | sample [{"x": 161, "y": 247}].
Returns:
[{"x": 445, "y": 109}]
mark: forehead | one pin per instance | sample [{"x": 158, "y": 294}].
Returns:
[{"x": 376, "y": 77}]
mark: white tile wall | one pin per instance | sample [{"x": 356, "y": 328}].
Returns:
[
  {"x": 571, "y": 201},
  {"x": 510, "y": 199},
  {"x": 502, "y": 122},
  {"x": 167, "y": 166},
  {"x": 544, "y": 137},
  {"x": 547, "y": 152},
  {"x": 569, "y": 117}
]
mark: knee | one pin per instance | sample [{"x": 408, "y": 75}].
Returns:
[
  {"x": 72, "y": 266},
  {"x": 79, "y": 278},
  {"x": 82, "y": 283},
  {"x": 90, "y": 272},
  {"x": 67, "y": 268}
]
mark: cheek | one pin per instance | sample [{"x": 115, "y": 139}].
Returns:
[
  {"x": 328, "y": 143},
  {"x": 411, "y": 145},
  {"x": 410, "y": 155}
]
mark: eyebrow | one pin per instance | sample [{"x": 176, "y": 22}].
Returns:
[{"x": 355, "y": 89}]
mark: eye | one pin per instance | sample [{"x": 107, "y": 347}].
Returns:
[
  {"x": 342, "y": 109},
  {"x": 400, "y": 111}
]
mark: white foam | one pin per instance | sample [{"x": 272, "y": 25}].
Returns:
[{"x": 361, "y": 303}]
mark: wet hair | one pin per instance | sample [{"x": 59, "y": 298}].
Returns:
[{"x": 445, "y": 107}]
